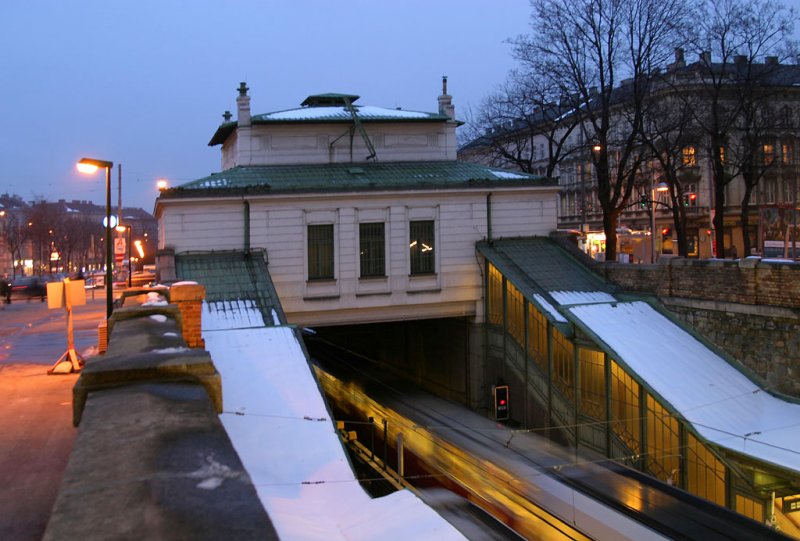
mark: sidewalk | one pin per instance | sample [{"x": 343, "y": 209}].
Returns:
[{"x": 36, "y": 432}]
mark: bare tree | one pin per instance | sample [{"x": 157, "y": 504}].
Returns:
[
  {"x": 14, "y": 235},
  {"x": 589, "y": 47},
  {"x": 730, "y": 36},
  {"x": 525, "y": 109},
  {"x": 669, "y": 131}
]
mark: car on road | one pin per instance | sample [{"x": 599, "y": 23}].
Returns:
[{"x": 29, "y": 287}]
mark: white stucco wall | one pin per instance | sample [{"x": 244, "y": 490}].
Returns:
[{"x": 279, "y": 224}]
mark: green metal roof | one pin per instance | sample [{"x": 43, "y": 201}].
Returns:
[
  {"x": 538, "y": 266},
  {"x": 232, "y": 276},
  {"x": 346, "y": 177},
  {"x": 542, "y": 261}
]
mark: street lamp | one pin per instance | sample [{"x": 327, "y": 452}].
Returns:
[
  {"x": 660, "y": 187},
  {"x": 162, "y": 184},
  {"x": 89, "y": 166}
]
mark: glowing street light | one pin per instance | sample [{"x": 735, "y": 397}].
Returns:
[
  {"x": 162, "y": 184},
  {"x": 90, "y": 166}
]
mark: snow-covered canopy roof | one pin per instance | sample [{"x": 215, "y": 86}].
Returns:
[
  {"x": 720, "y": 402},
  {"x": 279, "y": 425}
]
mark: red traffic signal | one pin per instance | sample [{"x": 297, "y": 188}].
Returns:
[{"x": 501, "y": 412}]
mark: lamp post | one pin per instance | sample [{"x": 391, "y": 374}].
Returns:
[
  {"x": 90, "y": 165},
  {"x": 660, "y": 187}
]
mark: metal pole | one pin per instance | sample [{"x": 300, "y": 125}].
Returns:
[
  {"x": 130, "y": 269},
  {"x": 109, "y": 291},
  {"x": 653, "y": 223},
  {"x": 119, "y": 194}
]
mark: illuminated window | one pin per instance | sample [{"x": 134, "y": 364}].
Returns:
[
  {"x": 768, "y": 152},
  {"x": 372, "y": 250},
  {"x": 515, "y": 319},
  {"x": 421, "y": 247},
  {"x": 625, "y": 417},
  {"x": 495, "y": 296},
  {"x": 663, "y": 442},
  {"x": 689, "y": 158},
  {"x": 750, "y": 507},
  {"x": 722, "y": 154},
  {"x": 787, "y": 154},
  {"x": 592, "y": 383},
  {"x": 563, "y": 364},
  {"x": 537, "y": 337},
  {"x": 705, "y": 475}
]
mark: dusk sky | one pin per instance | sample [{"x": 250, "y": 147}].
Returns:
[{"x": 144, "y": 83}]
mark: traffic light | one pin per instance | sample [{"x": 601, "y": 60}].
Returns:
[
  {"x": 500, "y": 393},
  {"x": 666, "y": 233}
]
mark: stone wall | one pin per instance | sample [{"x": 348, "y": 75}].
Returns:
[
  {"x": 749, "y": 308},
  {"x": 151, "y": 459}
]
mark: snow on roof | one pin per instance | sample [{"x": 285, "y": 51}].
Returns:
[
  {"x": 507, "y": 174},
  {"x": 280, "y": 427},
  {"x": 720, "y": 402},
  {"x": 549, "y": 308},
  {"x": 342, "y": 113},
  {"x": 581, "y": 297}
]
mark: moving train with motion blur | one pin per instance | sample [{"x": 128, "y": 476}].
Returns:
[{"x": 537, "y": 488}]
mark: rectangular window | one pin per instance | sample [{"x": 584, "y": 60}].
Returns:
[
  {"x": 515, "y": 316},
  {"x": 689, "y": 156},
  {"x": 495, "y": 296},
  {"x": 625, "y": 417},
  {"x": 705, "y": 474},
  {"x": 421, "y": 247},
  {"x": 537, "y": 337},
  {"x": 372, "y": 249},
  {"x": 787, "y": 156},
  {"x": 563, "y": 365},
  {"x": 593, "y": 383},
  {"x": 768, "y": 151},
  {"x": 320, "y": 252},
  {"x": 663, "y": 442}
]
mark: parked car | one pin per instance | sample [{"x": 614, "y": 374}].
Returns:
[{"x": 29, "y": 287}]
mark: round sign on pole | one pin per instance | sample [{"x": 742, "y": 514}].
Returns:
[{"x": 114, "y": 221}]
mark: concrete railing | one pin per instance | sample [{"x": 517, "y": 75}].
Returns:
[{"x": 151, "y": 459}]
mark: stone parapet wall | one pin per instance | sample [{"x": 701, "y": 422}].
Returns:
[
  {"x": 151, "y": 459},
  {"x": 746, "y": 281}
]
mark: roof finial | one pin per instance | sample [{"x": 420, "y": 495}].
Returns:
[
  {"x": 243, "y": 89},
  {"x": 444, "y": 85},
  {"x": 227, "y": 115}
]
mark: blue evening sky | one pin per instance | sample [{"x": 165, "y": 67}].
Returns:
[{"x": 145, "y": 82}]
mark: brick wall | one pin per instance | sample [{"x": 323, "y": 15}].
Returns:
[
  {"x": 749, "y": 308},
  {"x": 189, "y": 298}
]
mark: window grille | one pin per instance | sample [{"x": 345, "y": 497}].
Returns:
[
  {"x": 372, "y": 247},
  {"x": 320, "y": 252}
]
